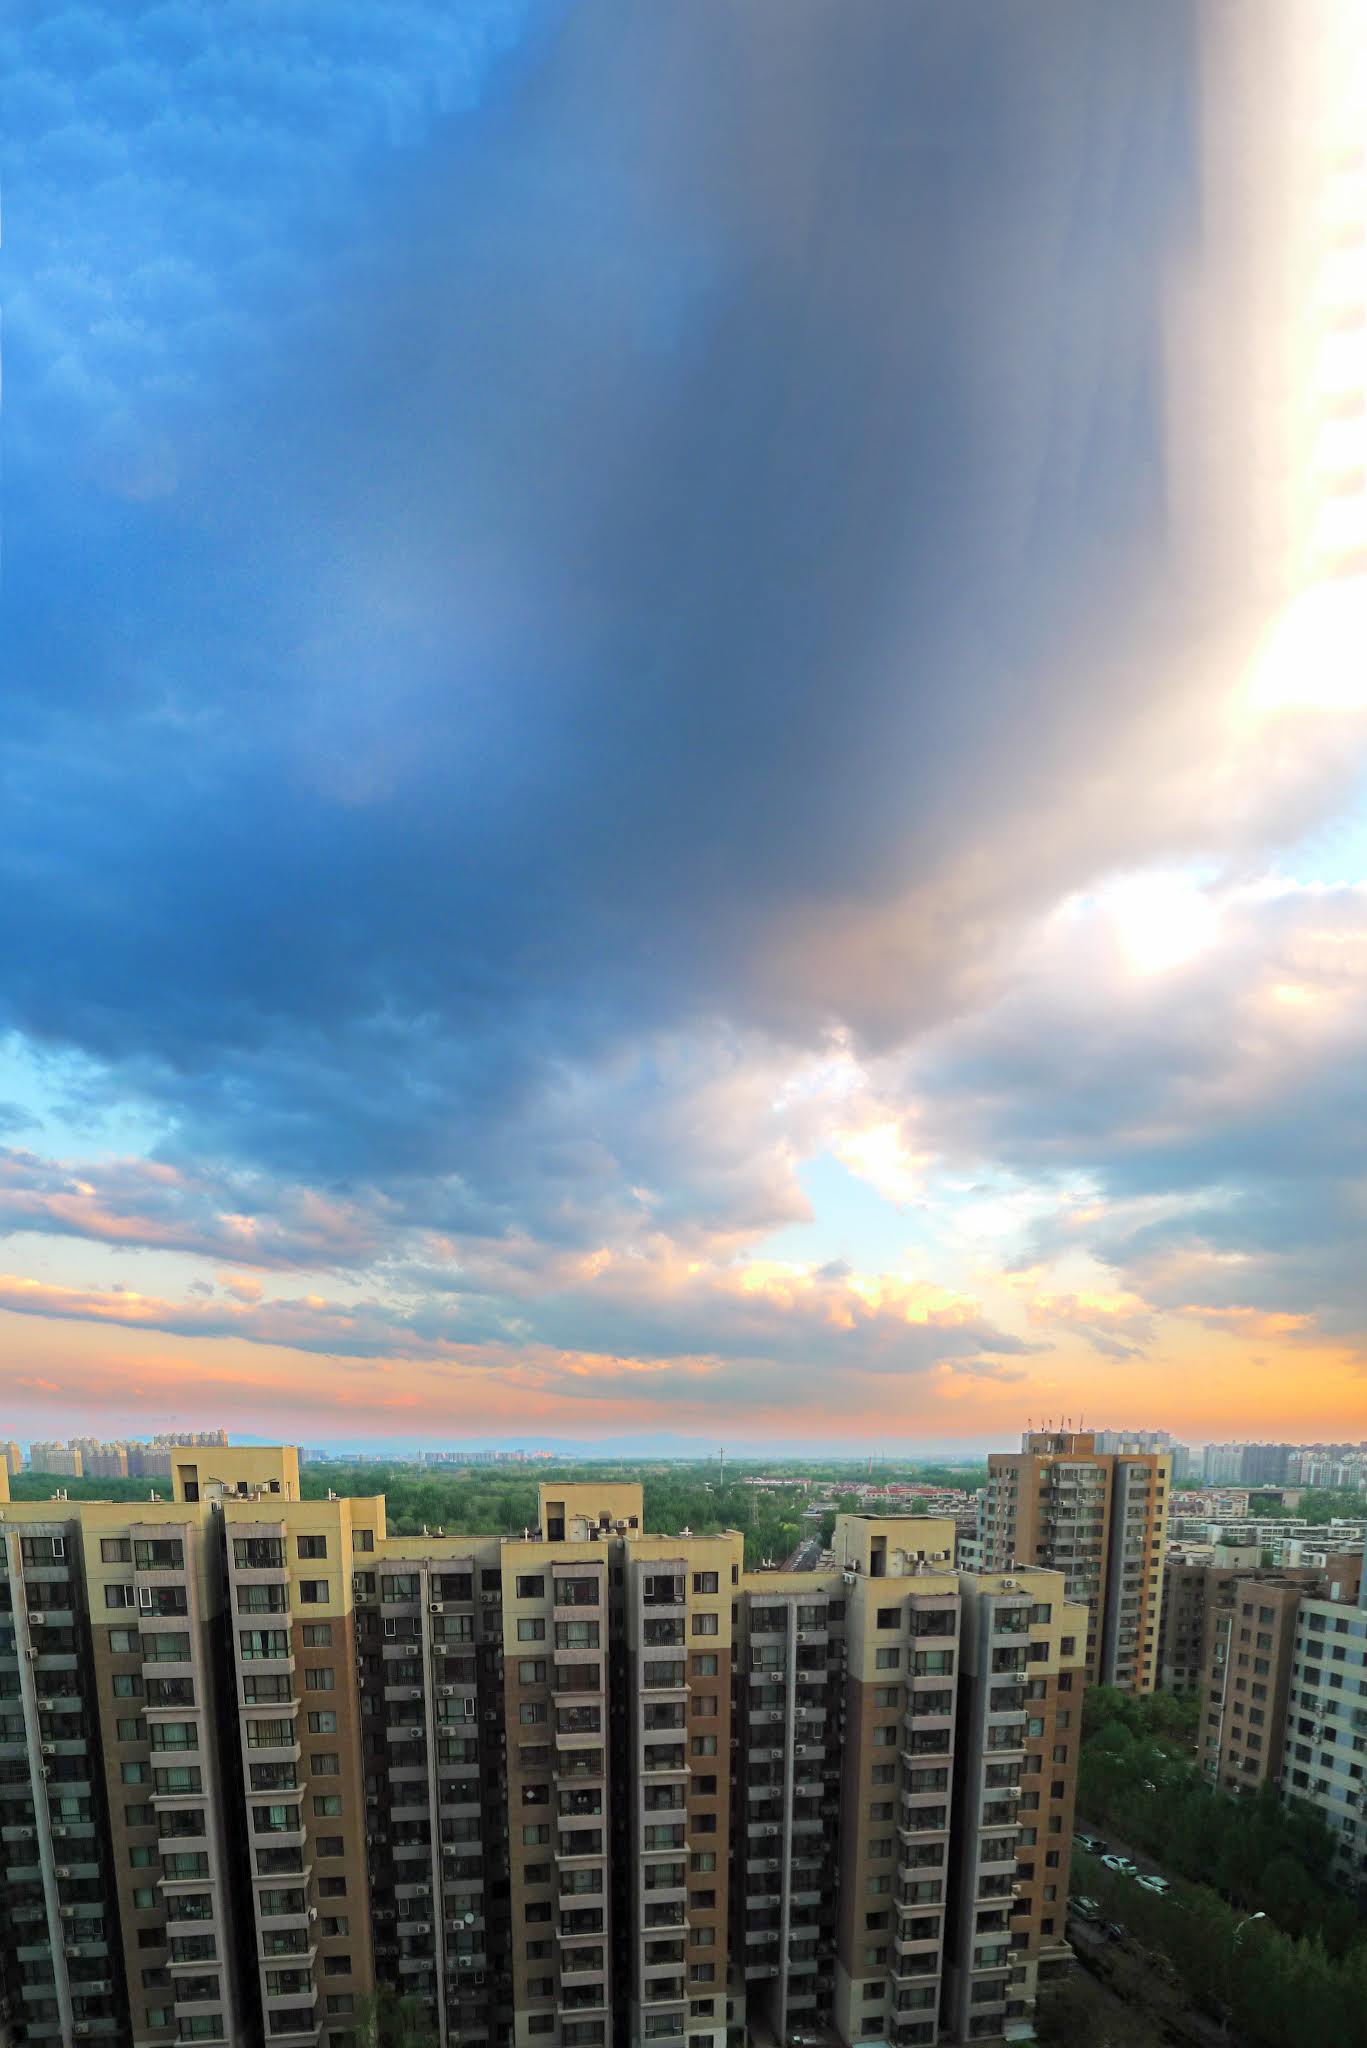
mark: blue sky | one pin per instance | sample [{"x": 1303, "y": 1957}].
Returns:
[{"x": 685, "y": 720}]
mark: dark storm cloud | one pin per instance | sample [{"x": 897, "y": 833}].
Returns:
[{"x": 675, "y": 508}]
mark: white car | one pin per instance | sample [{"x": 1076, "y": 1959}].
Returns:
[
  {"x": 1121, "y": 1865},
  {"x": 1153, "y": 1883}
]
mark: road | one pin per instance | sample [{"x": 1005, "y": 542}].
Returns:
[
  {"x": 1114, "y": 1847},
  {"x": 806, "y": 1557},
  {"x": 1135, "y": 1973},
  {"x": 1146, "y": 1866}
]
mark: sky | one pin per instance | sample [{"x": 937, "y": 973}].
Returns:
[{"x": 685, "y": 734}]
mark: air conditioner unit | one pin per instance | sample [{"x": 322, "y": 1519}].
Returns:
[
  {"x": 48, "y": 1748},
  {"x": 466, "y": 1962},
  {"x": 490, "y": 1714},
  {"x": 436, "y": 1607},
  {"x": 31, "y": 1651},
  {"x": 63, "y": 1870},
  {"x": 38, "y": 1615},
  {"x": 416, "y": 1734},
  {"x": 60, "y": 1828},
  {"x": 415, "y": 1693},
  {"x": 313, "y": 1912},
  {"x": 446, "y": 1692},
  {"x": 47, "y": 1706}
]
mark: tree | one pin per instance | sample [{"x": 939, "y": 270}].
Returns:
[
  {"x": 1075, "y": 2011},
  {"x": 388, "y": 2020}
]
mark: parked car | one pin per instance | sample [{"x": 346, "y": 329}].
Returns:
[
  {"x": 1086, "y": 1909},
  {"x": 1121, "y": 1865},
  {"x": 1114, "y": 1931},
  {"x": 1093, "y": 1844},
  {"x": 1154, "y": 1883}
]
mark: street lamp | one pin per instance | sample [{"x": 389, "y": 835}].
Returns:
[{"x": 1233, "y": 1946}]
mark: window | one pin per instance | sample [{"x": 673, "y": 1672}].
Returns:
[
  {"x": 363, "y": 1539},
  {"x": 126, "y": 1685},
  {"x": 330, "y": 1845},
  {"x": 532, "y": 1711},
  {"x": 705, "y": 1667},
  {"x": 313, "y": 1592},
  {"x": 531, "y": 1586},
  {"x": 887, "y": 1660},
  {"x": 325, "y": 1764},
  {"x": 706, "y": 1624},
  {"x": 323, "y": 1722},
  {"x": 889, "y": 1617},
  {"x": 332, "y": 1887},
  {"x": 705, "y": 1582},
  {"x": 317, "y": 1635},
  {"x": 124, "y": 1642},
  {"x": 318, "y": 1678},
  {"x": 703, "y": 1745},
  {"x": 313, "y": 1546},
  {"x": 132, "y": 1731},
  {"x": 704, "y": 1703},
  {"x": 116, "y": 1550},
  {"x": 703, "y": 1860},
  {"x": 531, "y": 1631},
  {"x": 119, "y": 1596}
]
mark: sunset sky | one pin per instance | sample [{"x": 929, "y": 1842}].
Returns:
[{"x": 685, "y": 719}]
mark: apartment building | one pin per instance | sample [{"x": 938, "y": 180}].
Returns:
[
  {"x": 1325, "y": 1754},
  {"x": 58, "y": 1459},
  {"x": 583, "y": 1787},
  {"x": 1182, "y": 1624},
  {"x": 1246, "y": 1677},
  {"x": 1099, "y": 1518},
  {"x": 165, "y": 1896},
  {"x": 100, "y": 1460}
]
